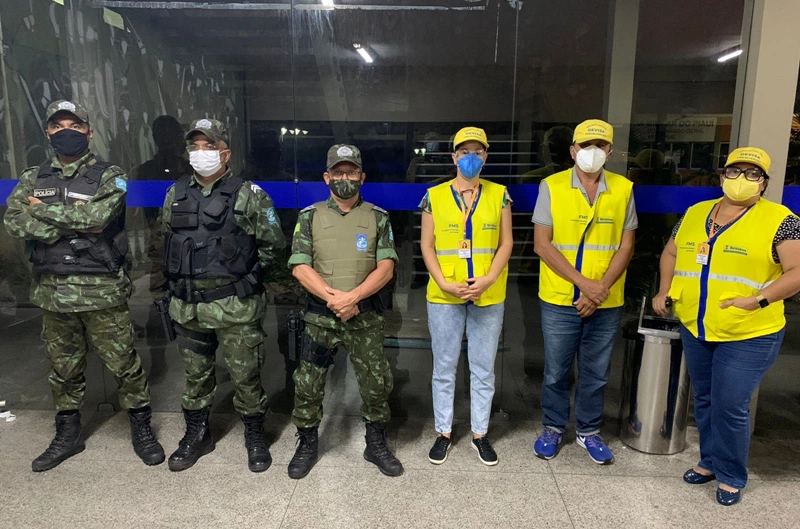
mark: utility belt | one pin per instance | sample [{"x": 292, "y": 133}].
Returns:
[{"x": 247, "y": 286}]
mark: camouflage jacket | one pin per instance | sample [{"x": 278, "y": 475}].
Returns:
[
  {"x": 303, "y": 253},
  {"x": 50, "y": 222},
  {"x": 259, "y": 219}
]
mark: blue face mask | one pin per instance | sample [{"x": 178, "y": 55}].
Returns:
[{"x": 470, "y": 165}]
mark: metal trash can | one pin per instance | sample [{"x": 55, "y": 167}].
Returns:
[{"x": 655, "y": 386}]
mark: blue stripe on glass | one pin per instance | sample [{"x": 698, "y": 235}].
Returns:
[{"x": 406, "y": 197}]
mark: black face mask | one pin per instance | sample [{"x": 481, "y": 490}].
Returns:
[{"x": 69, "y": 142}]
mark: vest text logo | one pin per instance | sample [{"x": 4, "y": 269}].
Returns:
[{"x": 735, "y": 249}]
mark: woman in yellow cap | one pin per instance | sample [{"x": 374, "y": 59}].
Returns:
[
  {"x": 466, "y": 243},
  {"x": 727, "y": 269}
]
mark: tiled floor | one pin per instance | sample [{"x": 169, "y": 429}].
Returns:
[{"x": 106, "y": 486}]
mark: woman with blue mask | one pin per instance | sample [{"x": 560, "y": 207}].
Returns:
[{"x": 466, "y": 244}]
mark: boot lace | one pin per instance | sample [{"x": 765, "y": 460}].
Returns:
[
  {"x": 143, "y": 432},
  {"x": 305, "y": 450},
  {"x": 254, "y": 435},
  {"x": 376, "y": 439}
]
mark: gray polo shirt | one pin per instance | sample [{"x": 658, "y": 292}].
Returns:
[{"x": 542, "y": 214}]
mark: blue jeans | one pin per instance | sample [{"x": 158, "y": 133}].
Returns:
[
  {"x": 567, "y": 335},
  {"x": 446, "y": 324},
  {"x": 724, "y": 376}
]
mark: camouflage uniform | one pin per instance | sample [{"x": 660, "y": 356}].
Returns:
[
  {"x": 81, "y": 310},
  {"x": 362, "y": 336},
  {"x": 235, "y": 322}
]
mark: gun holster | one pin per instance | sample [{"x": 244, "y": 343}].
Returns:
[
  {"x": 296, "y": 326},
  {"x": 162, "y": 306}
]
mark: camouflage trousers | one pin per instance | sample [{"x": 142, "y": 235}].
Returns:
[
  {"x": 109, "y": 333},
  {"x": 240, "y": 346},
  {"x": 370, "y": 364}
]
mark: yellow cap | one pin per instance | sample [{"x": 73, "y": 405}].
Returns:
[
  {"x": 470, "y": 134},
  {"x": 593, "y": 129},
  {"x": 752, "y": 155}
]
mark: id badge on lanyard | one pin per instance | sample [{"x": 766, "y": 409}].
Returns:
[
  {"x": 465, "y": 244},
  {"x": 465, "y": 249},
  {"x": 703, "y": 250}
]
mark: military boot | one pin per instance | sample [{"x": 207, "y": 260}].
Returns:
[
  {"x": 144, "y": 441},
  {"x": 378, "y": 453},
  {"x": 306, "y": 455},
  {"x": 66, "y": 443},
  {"x": 258, "y": 458},
  {"x": 196, "y": 442}
]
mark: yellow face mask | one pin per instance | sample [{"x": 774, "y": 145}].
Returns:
[{"x": 740, "y": 189}]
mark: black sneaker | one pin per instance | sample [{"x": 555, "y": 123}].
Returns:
[
  {"x": 485, "y": 451},
  {"x": 441, "y": 447}
]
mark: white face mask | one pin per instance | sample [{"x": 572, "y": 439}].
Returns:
[
  {"x": 205, "y": 163},
  {"x": 591, "y": 159}
]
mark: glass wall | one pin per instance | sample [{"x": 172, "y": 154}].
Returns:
[{"x": 397, "y": 78}]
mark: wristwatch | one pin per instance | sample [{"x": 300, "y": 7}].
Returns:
[{"x": 762, "y": 301}]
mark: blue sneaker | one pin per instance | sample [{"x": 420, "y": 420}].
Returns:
[
  {"x": 546, "y": 446},
  {"x": 598, "y": 451}
]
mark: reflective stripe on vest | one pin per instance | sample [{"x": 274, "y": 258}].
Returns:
[
  {"x": 587, "y": 236},
  {"x": 483, "y": 230},
  {"x": 739, "y": 265},
  {"x": 344, "y": 246}
]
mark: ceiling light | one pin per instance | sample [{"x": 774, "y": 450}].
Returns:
[
  {"x": 327, "y": 3},
  {"x": 365, "y": 54},
  {"x": 729, "y": 56},
  {"x": 284, "y": 130}
]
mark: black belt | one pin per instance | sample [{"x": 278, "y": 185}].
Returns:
[
  {"x": 318, "y": 308},
  {"x": 245, "y": 287}
]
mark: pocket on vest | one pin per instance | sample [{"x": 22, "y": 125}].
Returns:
[
  {"x": 178, "y": 256},
  {"x": 598, "y": 268},
  {"x": 184, "y": 215},
  {"x": 734, "y": 314},
  {"x": 449, "y": 271}
]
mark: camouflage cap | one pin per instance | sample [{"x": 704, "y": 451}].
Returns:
[
  {"x": 67, "y": 107},
  {"x": 212, "y": 128},
  {"x": 344, "y": 153}
]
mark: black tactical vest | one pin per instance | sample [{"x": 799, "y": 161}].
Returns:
[
  {"x": 82, "y": 253},
  {"x": 205, "y": 242}
]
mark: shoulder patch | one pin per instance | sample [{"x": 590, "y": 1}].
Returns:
[
  {"x": 255, "y": 188},
  {"x": 121, "y": 184},
  {"x": 381, "y": 210},
  {"x": 312, "y": 207}
]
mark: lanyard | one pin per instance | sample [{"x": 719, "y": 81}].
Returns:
[
  {"x": 467, "y": 209},
  {"x": 713, "y": 229}
]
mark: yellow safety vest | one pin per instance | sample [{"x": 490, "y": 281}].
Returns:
[
  {"x": 482, "y": 228},
  {"x": 740, "y": 264},
  {"x": 588, "y": 236}
]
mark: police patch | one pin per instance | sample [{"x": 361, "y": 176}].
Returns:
[
  {"x": 42, "y": 193},
  {"x": 203, "y": 124},
  {"x": 121, "y": 184},
  {"x": 66, "y": 105},
  {"x": 271, "y": 217},
  {"x": 344, "y": 151},
  {"x": 361, "y": 242}
]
